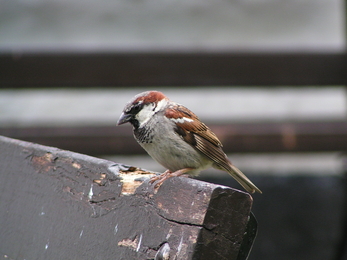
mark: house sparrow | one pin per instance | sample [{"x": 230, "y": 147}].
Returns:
[{"x": 176, "y": 138}]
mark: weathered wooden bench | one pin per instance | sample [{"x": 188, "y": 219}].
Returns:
[{"x": 58, "y": 204}]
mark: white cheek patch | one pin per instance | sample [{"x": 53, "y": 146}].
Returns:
[
  {"x": 149, "y": 110},
  {"x": 160, "y": 105},
  {"x": 181, "y": 120},
  {"x": 145, "y": 114}
]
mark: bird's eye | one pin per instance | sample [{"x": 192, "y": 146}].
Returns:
[{"x": 136, "y": 108}]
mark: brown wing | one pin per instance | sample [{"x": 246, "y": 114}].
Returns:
[{"x": 197, "y": 134}]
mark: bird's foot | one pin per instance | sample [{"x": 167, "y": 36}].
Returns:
[
  {"x": 159, "y": 179},
  {"x": 160, "y": 176}
]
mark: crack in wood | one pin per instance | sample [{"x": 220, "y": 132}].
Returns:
[{"x": 180, "y": 222}]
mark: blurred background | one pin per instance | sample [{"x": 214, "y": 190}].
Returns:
[{"x": 268, "y": 76}]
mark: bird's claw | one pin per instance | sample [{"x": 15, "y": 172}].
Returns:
[{"x": 160, "y": 178}]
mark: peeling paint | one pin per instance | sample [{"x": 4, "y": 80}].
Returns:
[
  {"x": 42, "y": 212},
  {"x": 90, "y": 194},
  {"x": 132, "y": 244},
  {"x": 179, "y": 248},
  {"x": 72, "y": 184},
  {"x": 132, "y": 180},
  {"x": 81, "y": 234},
  {"x": 163, "y": 252},
  {"x": 76, "y": 165},
  {"x": 94, "y": 211},
  {"x": 101, "y": 180},
  {"x": 139, "y": 245},
  {"x": 115, "y": 229},
  {"x": 47, "y": 245},
  {"x": 193, "y": 238},
  {"x": 183, "y": 245},
  {"x": 43, "y": 163},
  {"x": 169, "y": 234}
]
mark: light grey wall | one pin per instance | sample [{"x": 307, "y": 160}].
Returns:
[
  {"x": 97, "y": 106},
  {"x": 173, "y": 24}
]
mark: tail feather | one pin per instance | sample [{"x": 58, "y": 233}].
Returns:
[{"x": 243, "y": 180}]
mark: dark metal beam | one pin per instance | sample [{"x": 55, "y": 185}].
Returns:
[
  {"x": 171, "y": 69},
  {"x": 237, "y": 138}
]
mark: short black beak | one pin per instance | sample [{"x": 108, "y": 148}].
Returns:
[{"x": 124, "y": 118}]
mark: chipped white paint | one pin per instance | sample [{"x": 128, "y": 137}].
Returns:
[
  {"x": 163, "y": 252},
  {"x": 90, "y": 194},
  {"x": 81, "y": 234},
  {"x": 132, "y": 244},
  {"x": 42, "y": 212},
  {"x": 130, "y": 183},
  {"x": 193, "y": 238},
  {"x": 128, "y": 177},
  {"x": 169, "y": 234},
  {"x": 139, "y": 244},
  {"x": 179, "y": 248},
  {"x": 115, "y": 229},
  {"x": 94, "y": 211},
  {"x": 76, "y": 165},
  {"x": 47, "y": 245},
  {"x": 182, "y": 248}
]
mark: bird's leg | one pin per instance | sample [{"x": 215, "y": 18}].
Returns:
[
  {"x": 168, "y": 174},
  {"x": 160, "y": 176}
]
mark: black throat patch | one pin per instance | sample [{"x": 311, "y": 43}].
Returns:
[{"x": 143, "y": 135}]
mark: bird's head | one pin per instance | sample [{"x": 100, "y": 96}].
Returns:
[{"x": 142, "y": 107}]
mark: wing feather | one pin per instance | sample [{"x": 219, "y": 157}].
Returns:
[
  {"x": 199, "y": 136},
  {"x": 189, "y": 122}
]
